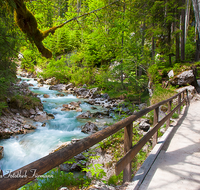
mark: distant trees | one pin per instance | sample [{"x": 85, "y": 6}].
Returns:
[{"x": 127, "y": 34}]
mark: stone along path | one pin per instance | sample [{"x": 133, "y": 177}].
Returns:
[{"x": 178, "y": 163}]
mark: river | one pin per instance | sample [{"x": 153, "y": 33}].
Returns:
[{"x": 23, "y": 149}]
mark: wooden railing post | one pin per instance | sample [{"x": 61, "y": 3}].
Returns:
[
  {"x": 128, "y": 135},
  {"x": 179, "y": 101},
  {"x": 168, "y": 111},
  {"x": 187, "y": 101},
  {"x": 155, "y": 121}
]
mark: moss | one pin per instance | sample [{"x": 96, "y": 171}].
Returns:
[
  {"x": 28, "y": 25},
  {"x": 24, "y": 102}
]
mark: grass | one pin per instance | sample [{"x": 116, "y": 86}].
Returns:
[{"x": 161, "y": 94}]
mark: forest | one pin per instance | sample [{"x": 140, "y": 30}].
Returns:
[
  {"x": 109, "y": 44},
  {"x": 122, "y": 47}
]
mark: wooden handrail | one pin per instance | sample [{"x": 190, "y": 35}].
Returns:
[{"x": 23, "y": 175}]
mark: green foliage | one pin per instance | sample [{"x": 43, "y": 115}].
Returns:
[
  {"x": 175, "y": 116},
  {"x": 29, "y": 60},
  {"x": 82, "y": 76},
  {"x": 56, "y": 180},
  {"x": 161, "y": 94},
  {"x": 8, "y": 48},
  {"x": 190, "y": 46},
  {"x": 115, "y": 180},
  {"x": 57, "y": 68},
  {"x": 96, "y": 171},
  {"x": 154, "y": 74}
]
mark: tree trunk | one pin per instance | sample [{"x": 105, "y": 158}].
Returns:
[
  {"x": 122, "y": 77},
  {"x": 183, "y": 32},
  {"x": 153, "y": 49},
  {"x": 197, "y": 48},
  {"x": 177, "y": 36}
]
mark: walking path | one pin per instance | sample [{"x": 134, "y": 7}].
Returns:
[{"x": 178, "y": 163}]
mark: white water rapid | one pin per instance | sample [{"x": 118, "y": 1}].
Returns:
[{"x": 21, "y": 150}]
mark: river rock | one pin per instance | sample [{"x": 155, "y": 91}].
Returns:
[
  {"x": 82, "y": 92},
  {"x": 72, "y": 106},
  {"x": 46, "y": 96},
  {"x": 144, "y": 125},
  {"x": 25, "y": 113},
  {"x": 40, "y": 80},
  {"x": 89, "y": 128},
  {"x": 80, "y": 157},
  {"x": 94, "y": 93},
  {"x": 77, "y": 165},
  {"x": 185, "y": 78},
  {"x": 60, "y": 95},
  {"x": 32, "y": 111},
  {"x": 85, "y": 115},
  {"x": 43, "y": 116},
  {"x": 1, "y": 152},
  {"x": 43, "y": 125},
  {"x": 75, "y": 104},
  {"x": 51, "y": 81},
  {"x": 106, "y": 96},
  {"x": 69, "y": 86},
  {"x": 29, "y": 127},
  {"x": 65, "y": 167},
  {"x": 40, "y": 85},
  {"x": 24, "y": 85},
  {"x": 79, "y": 110},
  {"x": 59, "y": 87},
  {"x": 142, "y": 106}
]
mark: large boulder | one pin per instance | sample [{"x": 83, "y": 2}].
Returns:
[
  {"x": 89, "y": 128},
  {"x": 185, "y": 78},
  {"x": 191, "y": 91}
]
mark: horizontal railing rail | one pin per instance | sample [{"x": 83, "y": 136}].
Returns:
[{"x": 22, "y": 176}]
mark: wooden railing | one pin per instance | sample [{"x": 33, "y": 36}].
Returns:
[{"x": 22, "y": 176}]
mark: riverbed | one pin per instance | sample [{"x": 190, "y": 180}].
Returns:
[{"x": 23, "y": 149}]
